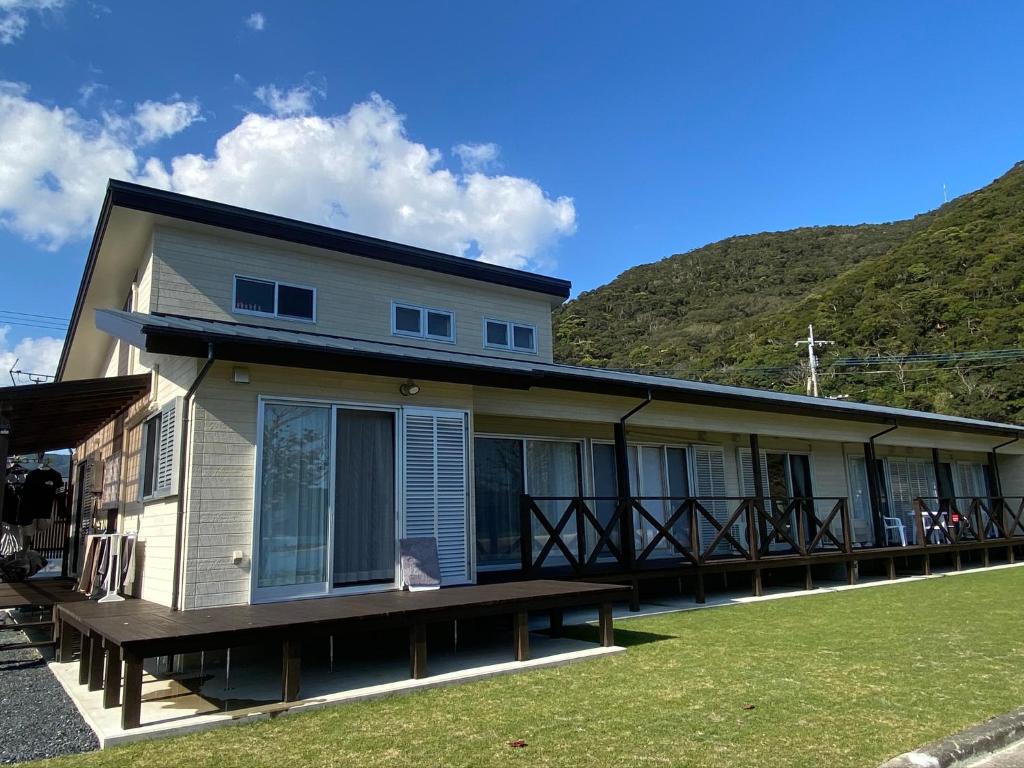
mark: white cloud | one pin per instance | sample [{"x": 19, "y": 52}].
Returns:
[
  {"x": 157, "y": 120},
  {"x": 34, "y": 355},
  {"x": 295, "y": 101},
  {"x": 477, "y": 157},
  {"x": 358, "y": 171},
  {"x": 256, "y": 21},
  {"x": 14, "y": 16}
]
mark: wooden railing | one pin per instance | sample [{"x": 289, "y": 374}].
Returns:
[
  {"x": 587, "y": 534},
  {"x": 956, "y": 520}
]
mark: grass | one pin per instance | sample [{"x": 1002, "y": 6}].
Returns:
[{"x": 839, "y": 679}]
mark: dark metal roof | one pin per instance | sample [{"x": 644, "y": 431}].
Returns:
[
  {"x": 46, "y": 417},
  {"x": 238, "y": 342}
]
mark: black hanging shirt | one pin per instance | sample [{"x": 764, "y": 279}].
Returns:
[{"x": 38, "y": 492}]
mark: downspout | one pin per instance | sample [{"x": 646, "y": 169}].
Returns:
[
  {"x": 622, "y": 478},
  {"x": 874, "y": 492},
  {"x": 179, "y": 521},
  {"x": 994, "y": 462}
]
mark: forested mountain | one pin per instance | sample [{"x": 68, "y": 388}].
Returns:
[{"x": 948, "y": 281}]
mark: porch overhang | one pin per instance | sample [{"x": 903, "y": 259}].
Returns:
[
  {"x": 237, "y": 342},
  {"x": 45, "y": 417}
]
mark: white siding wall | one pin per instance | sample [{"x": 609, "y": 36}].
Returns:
[{"x": 194, "y": 275}]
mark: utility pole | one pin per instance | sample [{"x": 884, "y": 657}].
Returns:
[{"x": 812, "y": 359}]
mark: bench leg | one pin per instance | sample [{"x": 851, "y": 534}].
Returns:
[
  {"x": 83, "y": 659},
  {"x": 112, "y": 677},
  {"x": 96, "y": 659},
  {"x": 418, "y": 651},
  {"x": 521, "y": 635},
  {"x": 555, "y": 622},
  {"x": 291, "y": 669},
  {"x": 605, "y": 628},
  {"x": 131, "y": 706}
]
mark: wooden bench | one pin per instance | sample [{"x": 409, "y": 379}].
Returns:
[{"x": 127, "y": 633}]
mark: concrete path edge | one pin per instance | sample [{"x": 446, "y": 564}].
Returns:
[{"x": 975, "y": 742}]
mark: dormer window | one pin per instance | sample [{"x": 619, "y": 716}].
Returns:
[
  {"x": 269, "y": 298},
  {"x": 422, "y": 322},
  {"x": 503, "y": 334}
]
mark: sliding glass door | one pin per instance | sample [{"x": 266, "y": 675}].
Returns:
[
  {"x": 327, "y": 512},
  {"x": 294, "y": 499},
  {"x": 364, "y": 498}
]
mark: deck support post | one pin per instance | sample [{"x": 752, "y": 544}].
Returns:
[
  {"x": 891, "y": 567},
  {"x": 956, "y": 560},
  {"x": 83, "y": 659},
  {"x": 555, "y": 617},
  {"x": 291, "y": 669},
  {"x": 927, "y": 570},
  {"x": 1010, "y": 557},
  {"x": 634, "y": 596},
  {"x": 418, "y": 651},
  {"x": 96, "y": 659},
  {"x": 66, "y": 639},
  {"x": 521, "y": 635},
  {"x": 808, "y": 577},
  {"x": 605, "y": 627},
  {"x": 700, "y": 595},
  {"x": 131, "y": 705},
  {"x": 851, "y": 572},
  {"x": 112, "y": 676},
  {"x": 984, "y": 557}
]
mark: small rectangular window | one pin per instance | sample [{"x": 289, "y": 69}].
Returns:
[
  {"x": 503, "y": 334},
  {"x": 523, "y": 338},
  {"x": 293, "y": 301},
  {"x": 407, "y": 320},
  {"x": 439, "y": 324},
  {"x": 273, "y": 299},
  {"x": 497, "y": 334},
  {"x": 435, "y": 324},
  {"x": 151, "y": 440}
]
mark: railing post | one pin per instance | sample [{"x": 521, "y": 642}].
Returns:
[
  {"x": 628, "y": 544},
  {"x": 844, "y": 516},
  {"x": 525, "y": 534},
  {"x": 752, "y": 538},
  {"x": 801, "y": 526},
  {"x": 581, "y": 534}
]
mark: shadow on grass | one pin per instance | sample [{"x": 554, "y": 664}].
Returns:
[{"x": 623, "y": 637}]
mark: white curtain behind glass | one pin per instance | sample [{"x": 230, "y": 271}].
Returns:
[
  {"x": 294, "y": 486},
  {"x": 552, "y": 469}
]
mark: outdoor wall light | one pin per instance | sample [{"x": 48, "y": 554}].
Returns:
[{"x": 410, "y": 388}]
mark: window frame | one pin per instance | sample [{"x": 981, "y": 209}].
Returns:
[
  {"x": 423, "y": 333},
  {"x": 277, "y": 299},
  {"x": 510, "y": 326},
  {"x": 148, "y": 464}
]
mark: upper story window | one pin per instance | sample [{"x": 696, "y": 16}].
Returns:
[
  {"x": 422, "y": 322},
  {"x": 502, "y": 334},
  {"x": 269, "y": 298}
]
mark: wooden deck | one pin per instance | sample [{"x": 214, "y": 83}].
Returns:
[
  {"x": 42, "y": 594},
  {"x": 134, "y": 630},
  {"x": 38, "y": 593}
]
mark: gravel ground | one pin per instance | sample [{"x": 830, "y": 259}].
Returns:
[{"x": 38, "y": 719}]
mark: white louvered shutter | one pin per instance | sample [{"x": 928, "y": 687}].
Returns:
[
  {"x": 747, "y": 473},
  {"x": 709, "y": 480},
  {"x": 166, "y": 480},
  {"x": 900, "y": 495},
  {"x": 435, "y": 487}
]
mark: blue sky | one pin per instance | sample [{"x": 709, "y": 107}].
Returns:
[{"x": 576, "y": 138}]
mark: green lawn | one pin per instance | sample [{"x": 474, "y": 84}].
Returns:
[{"x": 841, "y": 679}]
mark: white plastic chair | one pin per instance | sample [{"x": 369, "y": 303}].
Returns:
[{"x": 894, "y": 524}]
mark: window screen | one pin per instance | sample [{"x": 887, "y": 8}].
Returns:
[
  {"x": 254, "y": 295},
  {"x": 293, "y": 301}
]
